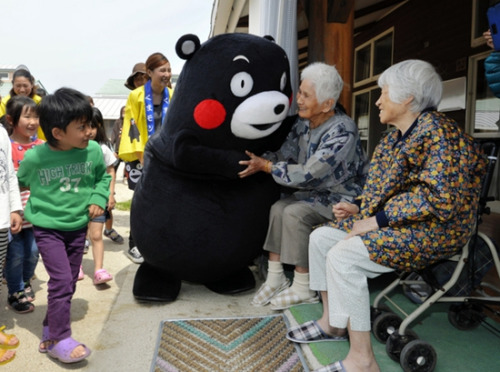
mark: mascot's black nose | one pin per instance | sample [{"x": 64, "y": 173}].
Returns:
[{"x": 279, "y": 109}]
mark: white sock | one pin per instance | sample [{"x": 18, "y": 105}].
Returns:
[
  {"x": 300, "y": 285},
  {"x": 275, "y": 274}
]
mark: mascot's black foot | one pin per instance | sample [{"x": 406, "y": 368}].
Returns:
[
  {"x": 154, "y": 285},
  {"x": 239, "y": 281}
]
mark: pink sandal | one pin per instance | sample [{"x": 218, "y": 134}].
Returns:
[{"x": 102, "y": 276}]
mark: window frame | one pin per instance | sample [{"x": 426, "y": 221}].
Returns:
[
  {"x": 472, "y": 87},
  {"x": 477, "y": 40},
  {"x": 374, "y": 129},
  {"x": 371, "y": 44}
]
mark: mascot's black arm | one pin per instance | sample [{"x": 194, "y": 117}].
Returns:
[{"x": 187, "y": 154}]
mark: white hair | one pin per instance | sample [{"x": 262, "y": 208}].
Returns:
[
  {"x": 413, "y": 78},
  {"x": 325, "y": 79}
]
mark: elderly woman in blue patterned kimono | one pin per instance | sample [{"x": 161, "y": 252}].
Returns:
[
  {"x": 323, "y": 163},
  {"x": 418, "y": 206}
]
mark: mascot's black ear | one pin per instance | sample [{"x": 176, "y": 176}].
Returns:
[
  {"x": 268, "y": 37},
  {"x": 187, "y": 46}
]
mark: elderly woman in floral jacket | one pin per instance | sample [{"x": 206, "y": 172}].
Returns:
[{"x": 418, "y": 206}]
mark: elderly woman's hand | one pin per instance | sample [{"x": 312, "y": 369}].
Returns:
[
  {"x": 254, "y": 165},
  {"x": 363, "y": 226},
  {"x": 343, "y": 210}
]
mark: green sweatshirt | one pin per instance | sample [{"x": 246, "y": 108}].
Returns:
[{"x": 63, "y": 185}]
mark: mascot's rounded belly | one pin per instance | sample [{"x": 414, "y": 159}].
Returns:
[{"x": 174, "y": 217}]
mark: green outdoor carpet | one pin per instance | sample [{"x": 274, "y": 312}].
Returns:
[
  {"x": 227, "y": 344},
  {"x": 457, "y": 351}
]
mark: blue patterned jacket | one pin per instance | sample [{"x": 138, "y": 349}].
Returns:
[{"x": 324, "y": 165}]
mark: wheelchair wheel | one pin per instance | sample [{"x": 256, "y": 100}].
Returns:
[
  {"x": 419, "y": 356},
  {"x": 375, "y": 312},
  {"x": 384, "y": 325},
  {"x": 465, "y": 316},
  {"x": 396, "y": 342}
]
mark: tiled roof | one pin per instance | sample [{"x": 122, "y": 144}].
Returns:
[
  {"x": 7, "y": 68},
  {"x": 110, "y": 98},
  {"x": 110, "y": 106}
]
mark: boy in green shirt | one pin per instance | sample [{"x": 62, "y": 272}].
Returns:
[{"x": 69, "y": 186}]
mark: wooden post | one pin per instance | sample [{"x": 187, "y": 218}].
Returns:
[{"x": 332, "y": 43}]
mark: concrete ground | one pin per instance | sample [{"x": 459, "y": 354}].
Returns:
[{"x": 121, "y": 332}]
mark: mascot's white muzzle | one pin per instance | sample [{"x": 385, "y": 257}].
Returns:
[{"x": 260, "y": 115}]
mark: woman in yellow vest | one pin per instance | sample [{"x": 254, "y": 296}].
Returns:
[
  {"x": 23, "y": 84},
  {"x": 144, "y": 113}
]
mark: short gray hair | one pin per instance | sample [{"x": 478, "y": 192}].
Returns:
[
  {"x": 413, "y": 78},
  {"x": 326, "y": 80}
]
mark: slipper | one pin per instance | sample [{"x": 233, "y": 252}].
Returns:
[
  {"x": 266, "y": 293},
  {"x": 62, "y": 350},
  {"x": 289, "y": 298},
  {"x": 9, "y": 354},
  {"x": 334, "y": 367},
  {"x": 311, "y": 332},
  {"x": 45, "y": 338},
  {"x": 102, "y": 276},
  {"x": 5, "y": 344}
]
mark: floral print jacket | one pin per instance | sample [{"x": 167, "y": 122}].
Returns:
[{"x": 427, "y": 184}]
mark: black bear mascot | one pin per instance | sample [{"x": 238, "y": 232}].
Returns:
[{"x": 192, "y": 217}]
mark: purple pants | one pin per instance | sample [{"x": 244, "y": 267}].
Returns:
[{"x": 62, "y": 253}]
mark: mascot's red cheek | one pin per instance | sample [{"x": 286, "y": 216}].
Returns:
[{"x": 209, "y": 114}]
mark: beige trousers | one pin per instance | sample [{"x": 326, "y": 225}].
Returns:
[{"x": 290, "y": 223}]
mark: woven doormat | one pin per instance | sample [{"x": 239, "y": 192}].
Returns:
[{"x": 227, "y": 344}]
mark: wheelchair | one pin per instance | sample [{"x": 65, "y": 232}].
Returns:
[{"x": 466, "y": 310}]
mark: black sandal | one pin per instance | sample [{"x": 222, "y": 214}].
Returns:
[
  {"x": 28, "y": 291},
  {"x": 20, "y": 304}
]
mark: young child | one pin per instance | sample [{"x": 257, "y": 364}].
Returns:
[
  {"x": 108, "y": 220},
  {"x": 10, "y": 217},
  {"x": 69, "y": 186},
  {"x": 109, "y": 232},
  {"x": 98, "y": 134},
  {"x": 22, "y": 254}
]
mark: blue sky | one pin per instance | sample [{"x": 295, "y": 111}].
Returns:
[{"x": 82, "y": 44}]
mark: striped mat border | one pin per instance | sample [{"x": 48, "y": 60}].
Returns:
[{"x": 227, "y": 344}]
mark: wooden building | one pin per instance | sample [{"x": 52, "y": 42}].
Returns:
[{"x": 364, "y": 37}]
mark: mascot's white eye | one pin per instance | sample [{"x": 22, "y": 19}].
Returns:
[
  {"x": 241, "y": 84},
  {"x": 283, "y": 82}
]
